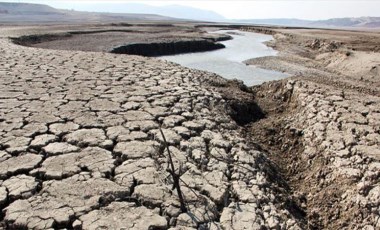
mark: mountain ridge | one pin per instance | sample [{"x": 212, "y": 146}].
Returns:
[
  {"x": 30, "y": 13},
  {"x": 11, "y": 12},
  {"x": 26, "y": 9},
  {"x": 173, "y": 10},
  {"x": 358, "y": 22}
]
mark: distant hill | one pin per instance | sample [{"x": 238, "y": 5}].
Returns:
[
  {"x": 362, "y": 22},
  {"x": 278, "y": 21},
  {"x": 27, "y": 13},
  {"x": 38, "y": 13},
  {"x": 175, "y": 11},
  {"x": 24, "y": 13},
  {"x": 26, "y": 9},
  {"x": 367, "y": 22}
]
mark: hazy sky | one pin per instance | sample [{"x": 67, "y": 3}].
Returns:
[{"x": 306, "y": 9}]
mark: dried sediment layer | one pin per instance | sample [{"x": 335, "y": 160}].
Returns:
[
  {"x": 326, "y": 140},
  {"x": 148, "y": 40},
  {"x": 80, "y": 142},
  {"x": 345, "y": 59},
  {"x": 158, "y": 46},
  {"x": 322, "y": 127},
  {"x": 167, "y": 48},
  {"x": 341, "y": 137}
]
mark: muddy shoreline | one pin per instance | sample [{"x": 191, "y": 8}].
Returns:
[
  {"x": 129, "y": 39},
  {"x": 167, "y": 48}
]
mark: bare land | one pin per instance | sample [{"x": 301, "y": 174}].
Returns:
[
  {"x": 108, "y": 38},
  {"x": 322, "y": 126},
  {"x": 80, "y": 143}
]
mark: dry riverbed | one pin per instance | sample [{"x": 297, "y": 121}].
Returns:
[{"x": 80, "y": 143}]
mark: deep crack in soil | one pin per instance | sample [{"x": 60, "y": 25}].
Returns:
[
  {"x": 262, "y": 120},
  {"x": 269, "y": 128}
]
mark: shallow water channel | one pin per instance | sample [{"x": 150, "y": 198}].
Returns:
[{"x": 228, "y": 62}]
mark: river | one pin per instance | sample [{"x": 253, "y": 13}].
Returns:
[{"x": 228, "y": 62}]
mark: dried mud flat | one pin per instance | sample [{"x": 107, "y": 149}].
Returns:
[
  {"x": 137, "y": 39},
  {"x": 81, "y": 148}
]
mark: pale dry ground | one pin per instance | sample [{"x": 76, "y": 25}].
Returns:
[
  {"x": 138, "y": 39},
  {"x": 323, "y": 127},
  {"x": 347, "y": 57},
  {"x": 327, "y": 142},
  {"x": 80, "y": 147},
  {"x": 360, "y": 64}
]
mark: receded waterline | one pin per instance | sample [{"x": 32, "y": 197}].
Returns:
[{"x": 228, "y": 62}]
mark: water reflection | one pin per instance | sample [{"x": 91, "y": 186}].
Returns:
[{"x": 227, "y": 62}]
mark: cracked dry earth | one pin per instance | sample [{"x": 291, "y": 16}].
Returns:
[
  {"x": 341, "y": 152},
  {"x": 328, "y": 145},
  {"x": 80, "y": 147}
]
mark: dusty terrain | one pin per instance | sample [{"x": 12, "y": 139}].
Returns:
[
  {"x": 81, "y": 145},
  {"x": 115, "y": 38},
  {"x": 344, "y": 57},
  {"x": 322, "y": 126}
]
